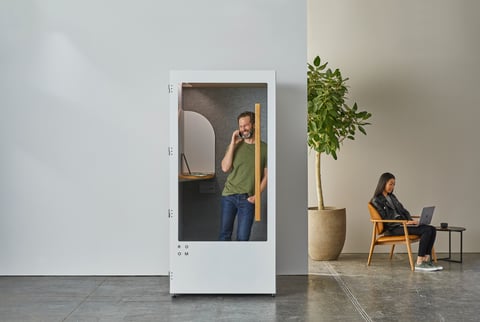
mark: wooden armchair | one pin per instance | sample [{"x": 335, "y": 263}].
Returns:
[{"x": 379, "y": 238}]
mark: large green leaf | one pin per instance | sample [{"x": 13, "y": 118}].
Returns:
[{"x": 331, "y": 119}]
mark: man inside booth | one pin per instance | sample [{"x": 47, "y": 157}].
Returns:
[{"x": 238, "y": 195}]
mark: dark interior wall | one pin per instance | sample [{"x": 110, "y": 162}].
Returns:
[{"x": 199, "y": 202}]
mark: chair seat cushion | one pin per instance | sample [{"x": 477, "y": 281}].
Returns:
[{"x": 387, "y": 239}]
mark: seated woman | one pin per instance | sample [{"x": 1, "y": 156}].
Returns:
[{"x": 389, "y": 207}]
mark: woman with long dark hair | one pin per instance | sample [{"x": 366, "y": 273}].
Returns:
[{"x": 389, "y": 207}]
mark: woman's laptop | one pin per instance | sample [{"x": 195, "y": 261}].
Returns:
[{"x": 425, "y": 217}]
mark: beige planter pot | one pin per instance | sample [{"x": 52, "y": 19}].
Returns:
[{"x": 326, "y": 232}]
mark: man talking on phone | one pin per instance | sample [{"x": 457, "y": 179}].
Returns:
[{"x": 238, "y": 196}]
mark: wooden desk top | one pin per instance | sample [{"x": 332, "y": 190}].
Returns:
[{"x": 196, "y": 176}]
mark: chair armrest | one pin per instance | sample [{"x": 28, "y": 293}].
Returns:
[
  {"x": 389, "y": 220},
  {"x": 403, "y": 222}
]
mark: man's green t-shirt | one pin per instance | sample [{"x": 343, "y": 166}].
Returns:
[{"x": 242, "y": 178}]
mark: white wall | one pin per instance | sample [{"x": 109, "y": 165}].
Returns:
[
  {"x": 83, "y": 132},
  {"x": 414, "y": 65}
]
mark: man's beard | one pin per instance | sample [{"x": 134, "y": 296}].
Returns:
[{"x": 246, "y": 135}]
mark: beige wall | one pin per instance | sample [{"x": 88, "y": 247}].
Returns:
[{"x": 414, "y": 65}]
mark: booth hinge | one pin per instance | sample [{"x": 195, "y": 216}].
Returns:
[
  {"x": 170, "y": 273},
  {"x": 170, "y": 151},
  {"x": 170, "y": 213},
  {"x": 170, "y": 88}
]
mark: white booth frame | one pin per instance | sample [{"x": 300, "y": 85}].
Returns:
[{"x": 219, "y": 267}]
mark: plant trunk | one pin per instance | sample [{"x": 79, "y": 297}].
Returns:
[{"x": 318, "y": 177}]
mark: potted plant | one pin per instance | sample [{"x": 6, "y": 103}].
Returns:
[{"x": 330, "y": 121}]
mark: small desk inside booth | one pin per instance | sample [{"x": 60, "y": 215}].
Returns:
[{"x": 458, "y": 230}]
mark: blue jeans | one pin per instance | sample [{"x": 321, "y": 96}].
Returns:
[{"x": 232, "y": 206}]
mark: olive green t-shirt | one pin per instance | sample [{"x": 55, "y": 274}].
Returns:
[{"x": 242, "y": 177}]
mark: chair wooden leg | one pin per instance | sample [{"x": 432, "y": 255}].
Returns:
[
  {"x": 370, "y": 255},
  {"x": 409, "y": 250},
  {"x": 391, "y": 250},
  {"x": 372, "y": 246},
  {"x": 434, "y": 255}
]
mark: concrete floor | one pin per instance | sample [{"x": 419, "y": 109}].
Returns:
[{"x": 343, "y": 290}]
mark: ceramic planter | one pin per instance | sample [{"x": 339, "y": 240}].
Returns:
[{"x": 326, "y": 232}]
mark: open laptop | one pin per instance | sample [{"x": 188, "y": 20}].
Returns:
[{"x": 425, "y": 217}]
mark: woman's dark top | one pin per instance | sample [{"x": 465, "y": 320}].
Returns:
[{"x": 390, "y": 208}]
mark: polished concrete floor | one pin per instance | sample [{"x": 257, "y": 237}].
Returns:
[{"x": 343, "y": 290}]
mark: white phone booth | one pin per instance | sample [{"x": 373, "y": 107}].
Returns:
[{"x": 204, "y": 106}]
